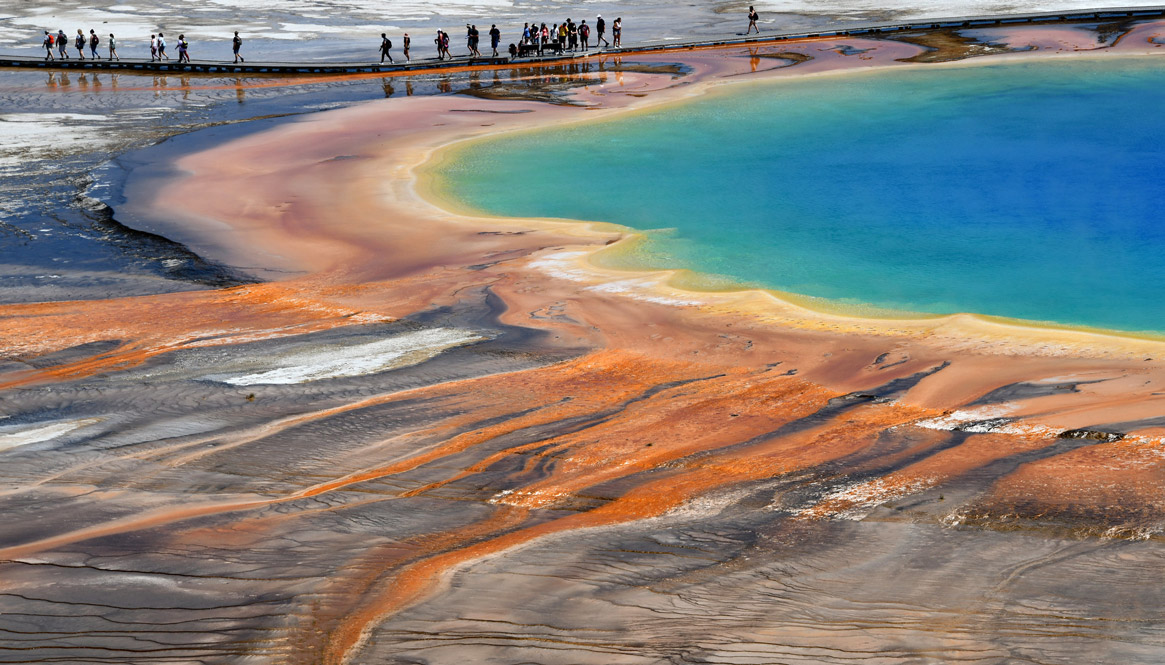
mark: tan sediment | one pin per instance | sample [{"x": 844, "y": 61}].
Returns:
[{"x": 687, "y": 393}]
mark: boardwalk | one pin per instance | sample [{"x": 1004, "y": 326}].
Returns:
[{"x": 330, "y": 67}]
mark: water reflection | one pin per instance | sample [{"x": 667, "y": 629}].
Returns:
[{"x": 529, "y": 77}]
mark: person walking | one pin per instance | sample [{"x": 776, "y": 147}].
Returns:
[
  {"x": 94, "y": 40},
  {"x": 183, "y": 49},
  {"x": 49, "y": 42},
  {"x": 385, "y": 45},
  {"x": 440, "y": 48},
  {"x": 236, "y": 44},
  {"x": 584, "y": 34},
  {"x": 752, "y": 19},
  {"x": 162, "y": 47},
  {"x": 617, "y": 32},
  {"x": 113, "y": 48},
  {"x": 62, "y": 44},
  {"x": 79, "y": 42},
  {"x": 407, "y": 42},
  {"x": 445, "y": 45},
  {"x": 153, "y": 48},
  {"x": 495, "y": 38},
  {"x": 600, "y": 30}
]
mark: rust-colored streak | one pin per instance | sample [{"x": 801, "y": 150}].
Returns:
[
  {"x": 139, "y": 522},
  {"x": 585, "y": 378},
  {"x": 655, "y": 495},
  {"x": 370, "y": 606},
  {"x": 931, "y": 471},
  {"x": 1115, "y": 489},
  {"x": 149, "y": 326},
  {"x": 593, "y": 382}
]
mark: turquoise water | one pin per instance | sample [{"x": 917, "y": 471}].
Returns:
[{"x": 1033, "y": 190}]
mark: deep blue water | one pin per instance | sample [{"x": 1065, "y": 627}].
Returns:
[{"x": 1033, "y": 190}]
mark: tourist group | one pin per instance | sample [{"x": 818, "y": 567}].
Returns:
[
  {"x": 537, "y": 39},
  {"x": 60, "y": 42}
]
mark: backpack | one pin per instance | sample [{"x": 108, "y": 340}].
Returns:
[
  {"x": 94, "y": 40},
  {"x": 584, "y": 30},
  {"x": 48, "y": 40}
]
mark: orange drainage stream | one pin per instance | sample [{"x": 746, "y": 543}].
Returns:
[{"x": 655, "y": 497}]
